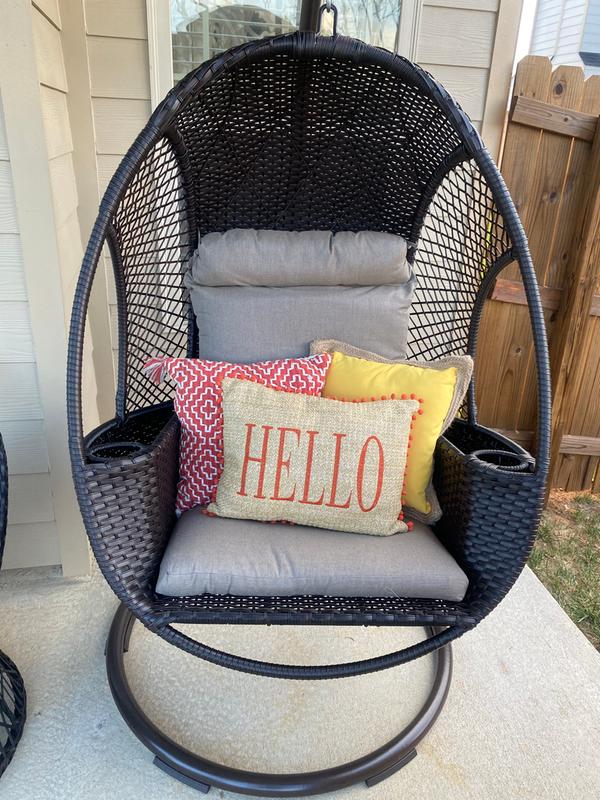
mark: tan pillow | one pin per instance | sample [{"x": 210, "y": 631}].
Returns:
[
  {"x": 312, "y": 460},
  {"x": 440, "y": 385}
]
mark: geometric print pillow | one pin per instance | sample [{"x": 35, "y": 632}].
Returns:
[{"x": 198, "y": 405}]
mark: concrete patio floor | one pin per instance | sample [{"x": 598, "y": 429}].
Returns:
[{"x": 522, "y": 719}]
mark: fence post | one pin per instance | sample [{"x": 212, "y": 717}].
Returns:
[{"x": 573, "y": 320}]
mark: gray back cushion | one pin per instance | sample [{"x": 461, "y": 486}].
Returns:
[
  {"x": 260, "y": 295},
  {"x": 247, "y": 257}
]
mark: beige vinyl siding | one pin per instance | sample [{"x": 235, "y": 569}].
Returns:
[
  {"x": 48, "y": 52},
  {"x": 107, "y": 166},
  {"x": 38, "y": 265},
  {"x": 564, "y": 29},
  {"x": 117, "y": 44},
  {"x": 12, "y": 280},
  {"x": 116, "y": 18},
  {"x": 119, "y": 67},
  {"x": 59, "y": 144},
  {"x": 32, "y": 538},
  {"x": 468, "y": 45},
  {"x": 26, "y": 448},
  {"x": 118, "y": 121},
  {"x": 455, "y": 45},
  {"x": 31, "y": 541},
  {"x": 16, "y": 343},
  {"x": 21, "y": 511},
  {"x": 50, "y": 9}
]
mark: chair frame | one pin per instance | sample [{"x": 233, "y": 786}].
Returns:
[
  {"x": 126, "y": 493},
  {"x": 125, "y": 472}
]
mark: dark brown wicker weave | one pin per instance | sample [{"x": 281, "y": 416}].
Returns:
[
  {"x": 12, "y": 688},
  {"x": 304, "y": 132}
]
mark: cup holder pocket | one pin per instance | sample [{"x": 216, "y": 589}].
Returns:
[
  {"x": 505, "y": 460},
  {"x": 111, "y": 450}
]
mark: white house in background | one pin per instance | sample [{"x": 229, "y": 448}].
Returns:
[
  {"x": 568, "y": 32},
  {"x": 78, "y": 80}
]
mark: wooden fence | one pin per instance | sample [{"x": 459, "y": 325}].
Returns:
[{"x": 551, "y": 164}]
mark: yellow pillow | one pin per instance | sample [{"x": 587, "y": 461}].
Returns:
[{"x": 439, "y": 385}]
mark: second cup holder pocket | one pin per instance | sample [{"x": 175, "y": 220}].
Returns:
[
  {"x": 111, "y": 450},
  {"x": 505, "y": 460}
]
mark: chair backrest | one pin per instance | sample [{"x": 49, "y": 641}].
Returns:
[{"x": 304, "y": 132}]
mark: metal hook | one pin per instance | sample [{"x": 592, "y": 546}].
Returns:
[{"x": 328, "y": 8}]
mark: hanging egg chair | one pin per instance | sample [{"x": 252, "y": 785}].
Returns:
[{"x": 296, "y": 133}]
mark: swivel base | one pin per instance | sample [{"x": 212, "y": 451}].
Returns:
[{"x": 202, "y": 774}]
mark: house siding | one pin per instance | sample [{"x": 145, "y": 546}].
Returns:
[
  {"x": 563, "y": 29},
  {"x": 571, "y": 31},
  {"x": 544, "y": 37},
  {"x": 455, "y": 44},
  {"x": 39, "y": 265},
  {"x": 590, "y": 42},
  {"x": 117, "y": 42},
  {"x": 49, "y": 44},
  {"x": 59, "y": 145},
  {"x": 32, "y": 537}
]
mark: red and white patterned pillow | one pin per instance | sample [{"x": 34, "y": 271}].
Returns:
[{"x": 198, "y": 404}]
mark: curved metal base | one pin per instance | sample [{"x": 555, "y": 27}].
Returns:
[{"x": 200, "y": 773}]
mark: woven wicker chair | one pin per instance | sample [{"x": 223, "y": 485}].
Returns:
[
  {"x": 12, "y": 689},
  {"x": 301, "y": 132}
]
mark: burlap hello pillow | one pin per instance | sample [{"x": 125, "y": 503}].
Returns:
[{"x": 312, "y": 460}]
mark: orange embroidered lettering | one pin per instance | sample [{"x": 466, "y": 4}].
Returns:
[
  {"x": 262, "y": 460},
  {"x": 308, "y": 472},
  {"x": 336, "y": 471},
  {"x": 361, "y": 473},
  {"x": 281, "y": 463}
]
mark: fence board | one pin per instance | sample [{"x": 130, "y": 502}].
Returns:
[
  {"x": 549, "y": 175},
  {"x": 565, "y": 192},
  {"x": 514, "y": 292},
  {"x": 502, "y": 369},
  {"x": 576, "y": 473},
  {"x": 575, "y": 346},
  {"x": 547, "y": 117}
]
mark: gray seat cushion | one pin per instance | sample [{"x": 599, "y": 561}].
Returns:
[{"x": 242, "y": 557}]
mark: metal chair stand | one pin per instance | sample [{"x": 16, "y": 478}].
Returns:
[{"x": 202, "y": 774}]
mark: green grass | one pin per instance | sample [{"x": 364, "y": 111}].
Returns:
[{"x": 566, "y": 558}]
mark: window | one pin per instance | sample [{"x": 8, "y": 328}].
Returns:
[
  {"x": 201, "y": 29},
  {"x": 184, "y": 33}
]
